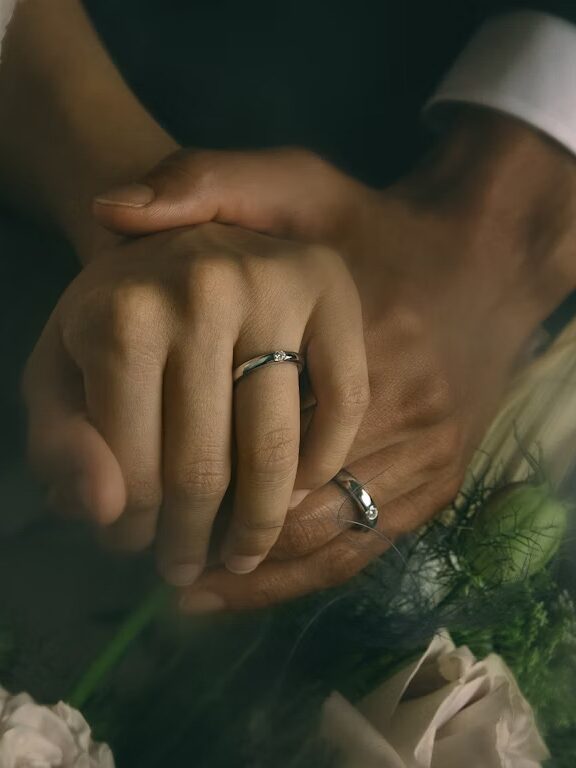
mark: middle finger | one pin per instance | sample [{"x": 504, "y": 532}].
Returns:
[{"x": 196, "y": 453}]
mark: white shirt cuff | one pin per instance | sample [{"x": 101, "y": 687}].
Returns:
[
  {"x": 6, "y": 8},
  {"x": 523, "y": 64}
]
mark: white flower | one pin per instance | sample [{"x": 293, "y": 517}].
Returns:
[
  {"x": 445, "y": 710},
  {"x": 34, "y": 736}
]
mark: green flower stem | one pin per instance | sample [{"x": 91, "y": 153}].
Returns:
[{"x": 131, "y": 628}]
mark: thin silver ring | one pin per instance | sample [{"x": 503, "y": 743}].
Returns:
[
  {"x": 360, "y": 496},
  {"x": 279, "y": 356}
]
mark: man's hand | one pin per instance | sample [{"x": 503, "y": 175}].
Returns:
[
  {"x": 456, "y": 267},
  {"x": 131, "y": 402},
  {"x": 287, "y": 193}
]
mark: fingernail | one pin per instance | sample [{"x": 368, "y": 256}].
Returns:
[
  {"x": 241, "y": 564},
  {"x": 130, "y": 195},
  {"x": 201, "y": 602},
  {"x": 297, "y": 498},
  {"x": 181, "y": 574}
]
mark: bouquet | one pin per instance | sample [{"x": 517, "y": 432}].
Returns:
[{"x": 457, "y": 645}]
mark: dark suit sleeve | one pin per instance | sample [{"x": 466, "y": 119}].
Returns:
[{"x": 566, "y": 9}]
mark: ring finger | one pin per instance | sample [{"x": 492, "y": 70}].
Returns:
[
  {"x": 267, "y": 425},
  {"x": 390, "y": 473}
]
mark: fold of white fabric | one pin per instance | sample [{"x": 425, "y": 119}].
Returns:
[
  {"x": 522, "y": 64},
  {"x": 446, "y": 709},
  {"x": 6, "y": 9},
  {"x": 538, "y": 415}
]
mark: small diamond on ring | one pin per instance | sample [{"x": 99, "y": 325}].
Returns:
[
  {"x": 371, "y": 513},
  {"x": 280, "y": 356}
]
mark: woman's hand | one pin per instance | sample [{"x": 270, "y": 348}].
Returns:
[
  {"x": 133, "y": 414},
  {"x": 456, "y": 266}
]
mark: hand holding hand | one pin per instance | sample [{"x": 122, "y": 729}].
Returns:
[
  {"x": 456, "y": 267},
  {"x": 133, "y": 414}
]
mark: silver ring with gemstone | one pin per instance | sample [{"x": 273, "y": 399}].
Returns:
[
  {"x": 270, "y": 358},
  {"x": 360, "y": 496}
]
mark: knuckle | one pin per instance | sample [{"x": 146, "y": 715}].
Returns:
[
  {"x": 275, "y": 454},
  {"x": 143, "y": 503},
  {"x": 351, "y": 400},
  {"x": 209, "y": 284},
  {"x": 436, "y": 398},
  {"x": 132, "y": 308},
  {"x": 254, "y": 537},
  {"x": 133, "y": 317},
  {"x": 205, "y": 477}
]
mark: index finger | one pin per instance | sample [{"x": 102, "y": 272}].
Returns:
[{"x": 64, "y": 447}]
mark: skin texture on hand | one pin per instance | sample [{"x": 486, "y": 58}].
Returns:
[
  {"x": 133, "y": 417},
  {"x": 456, "y": 266}
]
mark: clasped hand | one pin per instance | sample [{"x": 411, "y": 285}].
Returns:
[
  {"x": 130, "y": 386},
  {"x": 134, "y": 420}
]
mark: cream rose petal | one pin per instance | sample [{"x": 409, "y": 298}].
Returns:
[
  {"x": 444, "y": 710},
  {"x": 25, "y": 748},
  {"x": 356, "y": 740}
]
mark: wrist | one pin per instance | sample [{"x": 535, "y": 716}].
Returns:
[
  {"x": 119, "y": 164},
  {"x": 70, "y": 125},
  {"x": 515, "y": 189},
  {"x": 99, "y": 154}
]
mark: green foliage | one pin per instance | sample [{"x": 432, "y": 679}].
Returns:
[
  {"x": 538, "y": 642},
  {"x": 516, "y": 533},
  {"x": 247, "y": 691}
]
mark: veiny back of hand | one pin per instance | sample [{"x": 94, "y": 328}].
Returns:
[{"x": 450, "y": 297}]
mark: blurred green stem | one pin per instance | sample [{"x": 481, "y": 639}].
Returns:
[{"x": 131, "y": 628}]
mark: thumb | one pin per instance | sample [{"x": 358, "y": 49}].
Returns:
[
  {"x": 281, "y": 192},
  {"x": 65, "y": 449}
]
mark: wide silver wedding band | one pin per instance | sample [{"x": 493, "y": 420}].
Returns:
[
  {"x": 364, "y": 502},
  {"x": 270, "y": 358}
]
